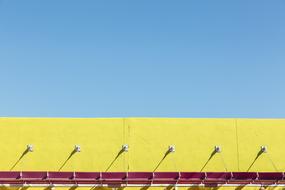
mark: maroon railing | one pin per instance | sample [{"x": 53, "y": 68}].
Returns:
[{"x": 141, "y": 178}]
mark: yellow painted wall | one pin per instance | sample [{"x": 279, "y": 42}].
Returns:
[{"x": 148, "y": 140}]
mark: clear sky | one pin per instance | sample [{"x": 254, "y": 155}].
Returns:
[{"x": 145, "y": 58}]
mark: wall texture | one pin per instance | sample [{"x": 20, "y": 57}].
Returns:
[{"x": 148, "y": 139}]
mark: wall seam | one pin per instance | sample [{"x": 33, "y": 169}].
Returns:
[{"x": 237, "y": 144}]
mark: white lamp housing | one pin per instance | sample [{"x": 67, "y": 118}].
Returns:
[
  {"x": 30, "y": 148},
  {"x": 263, "y": 149},
  {"x": 171, "y": 148},
  {"x": 218, "y": 149},
  {"x": 125, "y": 147},
  {"x": 77, "y": 148}
]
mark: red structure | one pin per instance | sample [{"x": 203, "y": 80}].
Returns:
[{"x": 32, "y": 178}]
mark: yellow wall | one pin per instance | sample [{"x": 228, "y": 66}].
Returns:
[{"x": 148, "y": 139}]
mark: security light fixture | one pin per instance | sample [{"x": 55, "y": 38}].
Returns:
[
  {"x": 263, "y": 149},
  {"x": 171, "y": 148},
  {"x": 125, "y": 147},
  {"x": 30, "y": 148},
  {"x": 77, "y": 148},
  {"x": 218, "y": 149}
]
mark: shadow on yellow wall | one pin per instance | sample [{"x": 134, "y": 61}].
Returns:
[{"x": 147, "y": 138}]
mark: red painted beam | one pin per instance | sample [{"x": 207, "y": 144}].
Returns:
[{"x": 140, "y": 178}]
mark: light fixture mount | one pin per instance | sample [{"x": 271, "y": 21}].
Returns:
[
  {"x": 125, "y": 147},
  {"x": 263, "y": 149},
  {"x": 218, "y": 149},
  {"x": 30, "y": 148},
  {"x": 171, "y": 148},
  {"x": 77, "y": 148}
]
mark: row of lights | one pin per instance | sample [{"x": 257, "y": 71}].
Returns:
[
  {"x": 30, "y": 148},
  {"x": 218, "y": 149},
  {"x": 125, "y": 148},
  {"x": 77, "y": 148}
]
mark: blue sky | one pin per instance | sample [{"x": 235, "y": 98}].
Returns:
[{"x": 188, "y": 58}]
